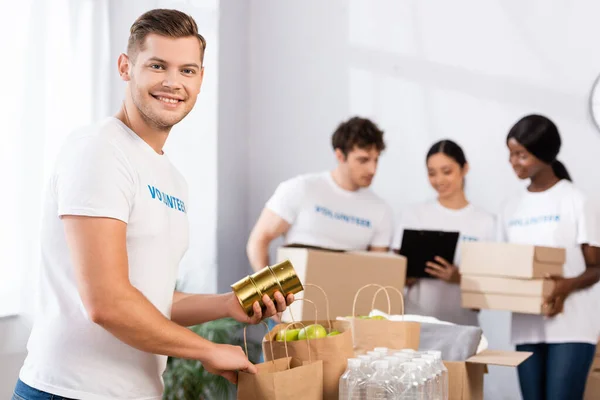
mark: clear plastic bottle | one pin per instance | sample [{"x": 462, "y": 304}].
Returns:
[
  {"x": 353, "y": 381},
  {"x": 382, "y": 350},
  {"x": 444, "y": 372},
  {"x": 380, "y": 386},
  {"x": 409, "y": 384},
  {"x": 365, "y": 366},
  {"x": 426, "y": 377},
  {"x": 438, "y": 389}
]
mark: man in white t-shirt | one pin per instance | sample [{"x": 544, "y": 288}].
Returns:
[
  {"x": 114, "y": 230},
  {"x": 332, "y": 209}
]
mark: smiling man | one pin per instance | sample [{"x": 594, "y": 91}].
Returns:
[
  {"x": 332, "y": 209},
  {"x": 114, "y": 230}
]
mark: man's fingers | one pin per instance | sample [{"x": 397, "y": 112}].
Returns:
[
  {"x": 231, "y": 376},
  {"x": 251, "y": 368},
  {"x": 269, "y": 305},
  {"x": 290, "y": 298},
  {"x": 280, "y": 302},
  {"x": 257, "y": 315}
]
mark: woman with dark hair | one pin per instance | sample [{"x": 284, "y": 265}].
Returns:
[
  {"x": 439, "y": 296},
  {"x": 552, "y": 212}
]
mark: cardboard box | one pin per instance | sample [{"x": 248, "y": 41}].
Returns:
[
  {"x": 507, "y": 286},
  {"x": 511, "y": 260},
  {"x": 465, "y": 379},
  {"x": 341, "y": 275},
  {"x": 517, "y": 295},
  {"x": 487, "y": 301}
]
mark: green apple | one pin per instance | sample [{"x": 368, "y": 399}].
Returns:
[
  {"x": 333, "y": 333},
  {"x": 289, "y": 335},
  {"x": 314, "y": 331}
]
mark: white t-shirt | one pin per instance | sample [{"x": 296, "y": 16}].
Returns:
[
  {"x": 434, "y": 297},
  {"x": 323, "y": 214},
  {"x": 105, "y": 170},
  {"x": 558, "y": 217}
]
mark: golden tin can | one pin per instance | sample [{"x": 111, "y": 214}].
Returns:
[{"x": 277, "y": 278}]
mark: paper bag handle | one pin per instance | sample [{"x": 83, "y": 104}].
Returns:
[
  {"x": 385, "y": 289},
  {"x": 285, "y": 341},
  {"x": 364, "y": 287},
  {"x": 316, "y": 312},
  {"x": 326, "y": 301},
  {"x": 246, "y": 341}
]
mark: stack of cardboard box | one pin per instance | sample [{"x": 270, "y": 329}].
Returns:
[
  {"x": 505, "y": 276},
  {"x": 592, "y": 390}
]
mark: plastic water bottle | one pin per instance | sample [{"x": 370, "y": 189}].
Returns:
[
  {"x": 365, "y": 365},
  {"x": 409, "y": 385},
  {"x": 381, "y": 386},
  {"x": 426, "y": 377},
  {"x": 375, "y": 355},
  {"x": 383, "y": 350},
  {"x": 444, "y": 372},
  {"x": 353, "y": 382},
  {"x": 437, "y": 376}
]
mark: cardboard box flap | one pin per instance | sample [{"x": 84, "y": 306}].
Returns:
[
  {"x": 502, "y": 358},
  {"x": 550, "y": 255},
  {"x": 375, "y": 254}
]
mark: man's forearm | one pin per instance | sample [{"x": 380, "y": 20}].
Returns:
[
  {"x": 193, "y": 309},
  {"x": 131, "y": 318},
  {"x": 258, "y": 254}
]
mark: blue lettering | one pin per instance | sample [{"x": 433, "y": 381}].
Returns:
[
  {"x": 168, "y": 200},
  {"x": 338, "y": 216},
  {"x": 152, "y": 191}
]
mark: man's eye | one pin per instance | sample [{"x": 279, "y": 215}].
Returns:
[
  {"x": 188, "y": 71},
  {"x": 156, "y": 66}
]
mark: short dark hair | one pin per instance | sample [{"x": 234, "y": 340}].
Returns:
[
  {"x": 163, "y": 22},
  {"x": 357, "y": 132},
  {"x": 450, "y": 149},
  {"x": 539, "y": 135}
]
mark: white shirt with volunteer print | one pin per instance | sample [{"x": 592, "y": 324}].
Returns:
[
  {"x": 323, "y": 214},
  {"x": 105, "y": 170},
  {"x": 434, "y": 297},
  {"x": 558, "y": 217}
]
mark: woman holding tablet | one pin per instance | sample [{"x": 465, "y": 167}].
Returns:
[
  {"x": 439, "y": 296},
  {"x": 551, "y": 211}
]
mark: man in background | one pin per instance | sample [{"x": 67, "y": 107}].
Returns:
[{"x": 331, "y": 209}]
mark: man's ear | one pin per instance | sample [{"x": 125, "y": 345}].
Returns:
[
  {"x": 124, "y": 67},
  {"x": 340, "y": 156}
]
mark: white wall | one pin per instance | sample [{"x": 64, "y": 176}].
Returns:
[{"x": 423, "y": 71}]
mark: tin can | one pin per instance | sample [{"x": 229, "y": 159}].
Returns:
[{"x": 277, "y": 278}]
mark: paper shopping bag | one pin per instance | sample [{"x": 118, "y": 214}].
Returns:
[
  {"x": 334, "y": 351},
  {"x": 370, "y": 333},
  {"x": 284, "y": 378}
]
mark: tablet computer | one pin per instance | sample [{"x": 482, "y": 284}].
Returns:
[{"x": 421, "y": 246}]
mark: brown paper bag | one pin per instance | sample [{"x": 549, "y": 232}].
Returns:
[
  {"x": 283, "y": 379},
  {"x": 334, "y": 351},
  {"x": 369, "y": 333}
]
